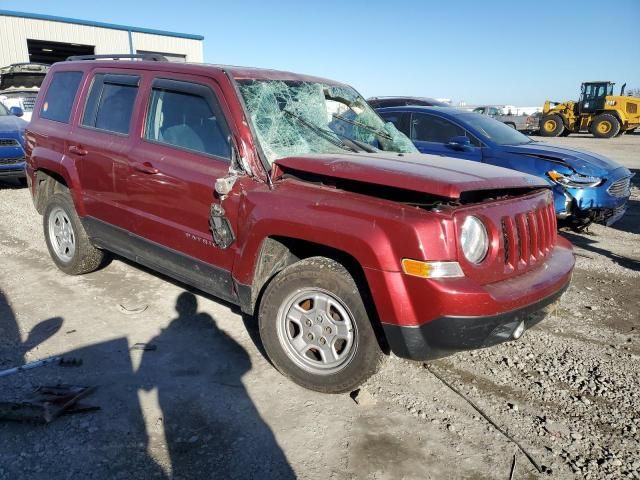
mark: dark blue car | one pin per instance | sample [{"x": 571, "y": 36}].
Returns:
[
  {"x": 12, "y": 144},
  {"x": 588, "y": 187}
]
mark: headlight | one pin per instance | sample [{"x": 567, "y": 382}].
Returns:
[
  {"x": 474, "y": 240},
  {"x": 574, "y": 180}
]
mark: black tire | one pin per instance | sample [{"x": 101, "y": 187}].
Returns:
[
  {"x": 605, "y": 125},
  {"x": 551, "y": 126},
  {"x": 566, "y": 133},
  {"x": 85, "y": 257},
  {"x": 309, "y": 277},
  {"x": 510, "y": 124}
]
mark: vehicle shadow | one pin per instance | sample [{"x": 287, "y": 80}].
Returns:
[
  {"x": 183, "y": 413},
  {"x": 10, "y": 185},
  {"x": 588, "y": 244}
]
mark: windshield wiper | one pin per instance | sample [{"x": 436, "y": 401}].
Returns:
[
  {"x": 321, "y": 132},
  {"x": 361, "y": 145},
  {"x": 363, "y": 125}
]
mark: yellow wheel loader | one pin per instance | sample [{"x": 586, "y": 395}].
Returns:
[{"x": 598, "y": 111}]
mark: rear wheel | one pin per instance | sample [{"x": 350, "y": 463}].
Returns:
[
  {"x": 510, "y": 124},
  {"x": 551, "y": 126},
  {"x": 605, "y": 125},
  {"x": 67, "y": 241},
  {"x": 315, "y": 327}
]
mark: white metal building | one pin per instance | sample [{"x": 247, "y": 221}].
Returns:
[{"x": 29, "y": 37}]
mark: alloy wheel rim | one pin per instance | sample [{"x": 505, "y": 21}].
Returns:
[
  {"x": 604, "y": 127},
  {"x": 61, "y": 235},
  {"x": 550, "y": 125},
  {"x": 317, "y": 331}
]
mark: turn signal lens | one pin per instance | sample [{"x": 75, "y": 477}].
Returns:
[{"x": 418, "y": 268}]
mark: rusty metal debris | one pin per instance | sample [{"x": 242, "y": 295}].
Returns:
[
  {"x": 47, "y": 403},
  {"x": 62, "y": 361}
]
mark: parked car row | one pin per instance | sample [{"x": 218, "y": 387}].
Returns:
[
  {"x": 289, "y": 196},
  {"x": 522, "y": 123},
  {"x": 587, "y": 187}
]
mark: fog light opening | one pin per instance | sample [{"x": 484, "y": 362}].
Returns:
[{"x": 517, "y": 333}]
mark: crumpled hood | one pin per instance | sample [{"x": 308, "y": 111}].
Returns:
[
  {"x": 585, "y": 163},
  {"x": 436, "y": 175},
  {"x": 11, "y": 124}
]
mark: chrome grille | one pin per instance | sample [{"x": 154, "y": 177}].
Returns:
[
  {"x": 9, "y": 142},
  {"x": 28, "y": 102},
  {"x": 620, "y": 188},
  {"x": 529, "y": 236},
  {"x": 11, "y": 161}
]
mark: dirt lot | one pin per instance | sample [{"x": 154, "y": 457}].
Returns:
[{"x": 206, "y": 403}]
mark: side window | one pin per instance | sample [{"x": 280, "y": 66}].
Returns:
[
  {"x": 427, "y": 128},
  {"x": 399, "y": 119},
  {"x": 474, "y": 141},
  {"x": 110, "y": 102},
  {"x": 60, "y": 96},
  {"x": 187, "y": 115},
  {"x": 493, "y": 111}
]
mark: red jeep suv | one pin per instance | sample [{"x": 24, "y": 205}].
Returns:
[{"x": 288, "y": 195}]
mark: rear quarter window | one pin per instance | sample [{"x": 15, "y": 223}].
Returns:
[{"x": 60, "y": 96}]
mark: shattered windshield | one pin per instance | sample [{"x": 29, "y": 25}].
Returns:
[{"x": 297, "y": 118}]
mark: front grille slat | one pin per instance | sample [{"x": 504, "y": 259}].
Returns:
[
  {"x": 528, "y": 237},
  {"x": 523, "y": 236},
  {"x": 9, "y": 142},
  {"x": 11, "y": 161},
  {"x": 620, "y": 188},
  {"x": 534, "y": 233}
]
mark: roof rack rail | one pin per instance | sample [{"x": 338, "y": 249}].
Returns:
[{"x": 154, "y": 57}]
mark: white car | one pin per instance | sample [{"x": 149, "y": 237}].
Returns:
[{"x": 19, "y": 85}]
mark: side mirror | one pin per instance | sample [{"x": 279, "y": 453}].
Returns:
[
  {"x": 461, "y": 143},
  {"x": 17, "y": 111}
]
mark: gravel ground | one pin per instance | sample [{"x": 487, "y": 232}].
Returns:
[{"x": 207, "y": 402}]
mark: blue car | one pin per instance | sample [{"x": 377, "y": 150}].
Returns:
[
  {"x": 587, "y": 187},
  {"x": 12, "y": 144}
]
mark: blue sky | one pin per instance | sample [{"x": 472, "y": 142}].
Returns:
[{"x": 504, "y": 52}]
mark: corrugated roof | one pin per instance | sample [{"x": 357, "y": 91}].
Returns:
[{"x": 89, "y": 23}]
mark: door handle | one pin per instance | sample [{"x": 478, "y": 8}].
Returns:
[
  {"x": 78, "y": 150},
  {"x": 145, "y": 167}
]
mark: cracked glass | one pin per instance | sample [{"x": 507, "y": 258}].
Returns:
[{"x": 300, "y": 118}]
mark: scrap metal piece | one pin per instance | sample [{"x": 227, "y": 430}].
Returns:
[
  {"x": 47, "y": 404},
  {"x": 132, "y": 310}
]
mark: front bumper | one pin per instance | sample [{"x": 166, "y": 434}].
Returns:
[
  {"x": 12, "y": 174},
  {"x": 425, "y": 319},
  {"x": 12, "y": 170},
  {"x": 449, "y": 334}
]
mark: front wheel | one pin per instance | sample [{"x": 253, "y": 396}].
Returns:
[
  {"x": 551, "y": 126},
  {"x": 315, "y": 327}
]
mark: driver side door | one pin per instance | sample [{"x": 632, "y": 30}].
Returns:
[{"x": 432, "y": 134}]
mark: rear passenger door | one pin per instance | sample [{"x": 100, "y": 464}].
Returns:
[
  {"x": 101, "y": 146},
  {"x": 183, "y": 149},
  {"x": 432, "y": 134}
]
